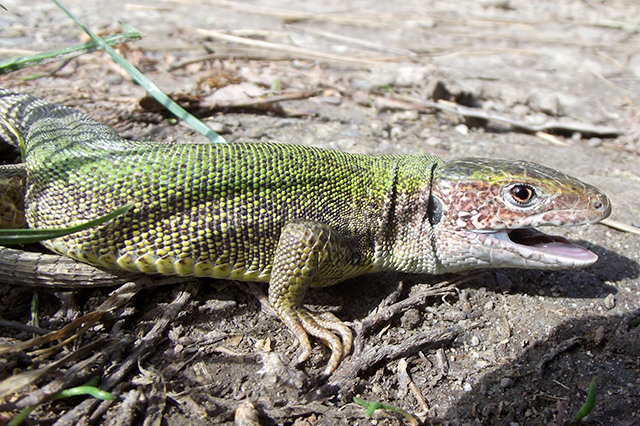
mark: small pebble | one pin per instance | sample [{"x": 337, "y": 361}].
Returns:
[
  {"x": 594, "y": 142},
  {"x": 410, "y": 319},
  {"x": 255, "y": 132},
  {"x": 410, "y": 115},
  {"x": 506, "y": 382},
  {"x": 376, "y": 126},
  {"x": 230, "y": 121},
  {"x": 474, "y": 341},
  {"x": 246, "y": 415},
  {"x": 218, "y": 127},
  {"x": 609, "y": 301},
  {"x": 331, "y": 100},
  {"x": 433, "y": 141},
  {"x": 425, "y": 133},
  {"x": 462, "y": 129}
]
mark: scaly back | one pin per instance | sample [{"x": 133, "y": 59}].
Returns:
[{"x": 204, "y": 209}]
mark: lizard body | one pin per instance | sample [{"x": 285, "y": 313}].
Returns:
[{"x": 293, "y": 216}]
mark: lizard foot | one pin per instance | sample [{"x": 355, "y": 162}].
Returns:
[{"x": 310, "y": 254}]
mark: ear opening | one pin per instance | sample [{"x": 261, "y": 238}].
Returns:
[{"x": 434, "y": 210}]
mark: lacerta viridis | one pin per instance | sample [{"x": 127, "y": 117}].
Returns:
[{"x": 293, "y": 216}]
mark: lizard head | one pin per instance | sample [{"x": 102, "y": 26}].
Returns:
[{"x": 483, "y": 212}]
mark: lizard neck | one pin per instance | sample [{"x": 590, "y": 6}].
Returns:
[{"x": 406, "y": 241}]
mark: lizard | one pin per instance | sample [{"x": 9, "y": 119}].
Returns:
[{"x": 291, "y": 216}]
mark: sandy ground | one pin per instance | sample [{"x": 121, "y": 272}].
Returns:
[{"x": 522, "y": 345}]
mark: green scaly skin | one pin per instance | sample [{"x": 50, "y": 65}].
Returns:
[{"x": 293, "y": 216}]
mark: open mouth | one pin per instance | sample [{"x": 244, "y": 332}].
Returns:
[{"x": 550, "y": 246}]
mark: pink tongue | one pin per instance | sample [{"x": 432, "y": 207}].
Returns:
[{"x": 565, "y": 248}]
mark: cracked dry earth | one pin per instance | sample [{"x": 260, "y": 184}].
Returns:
[{"x": 498, "y": 347}]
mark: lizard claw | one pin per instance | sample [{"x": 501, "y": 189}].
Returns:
[{"x": 323, "y": 326}]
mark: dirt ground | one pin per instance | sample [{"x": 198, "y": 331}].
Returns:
[{"x": 501, "y": 347}]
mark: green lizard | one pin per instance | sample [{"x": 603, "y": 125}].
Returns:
[{"x": 293, "y": 216}]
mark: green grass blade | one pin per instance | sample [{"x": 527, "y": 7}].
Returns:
[
  {"x": 68, "y": 52},
  {"x": 26, "y": 236},
  {"x": 17, "y": 420},
  {"x": 586, "y": 408},
  {"x": 153, "y": 90},
  {"x": 373, "y": 406},
  {"x": 85, "y": 390},
  {"x": 88, "y": 389}
]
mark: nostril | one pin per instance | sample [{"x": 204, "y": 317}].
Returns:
[{"x": 602, "y": 205}]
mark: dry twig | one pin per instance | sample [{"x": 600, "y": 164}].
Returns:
[
  {"x": 551, "y": 125},
  {"x": 359, "y": 362},
  {"x": 95, "y": 408},
  {"x": 620, "y": 226},
  {"x": 364, "y": 358},
  {"x": 364, "y": 43},
  {"x": 557, "y": 350},
  {"x": 295, "y": 52}
]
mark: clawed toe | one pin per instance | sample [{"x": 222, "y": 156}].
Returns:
[{"x": 325, "y": 327}]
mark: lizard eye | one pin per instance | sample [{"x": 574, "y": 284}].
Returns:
[{"x": 522, "y": 195}]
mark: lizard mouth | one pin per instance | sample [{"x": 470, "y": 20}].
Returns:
[{"x": 532, "y": 241}]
